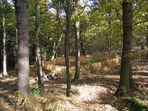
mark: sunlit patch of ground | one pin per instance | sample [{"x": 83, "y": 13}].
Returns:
[{"x": 94, "y": 92}]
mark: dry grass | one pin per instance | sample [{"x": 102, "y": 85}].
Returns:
[
  {"x": 89, "y": 64},
  {"x": 94, "y": 92}
]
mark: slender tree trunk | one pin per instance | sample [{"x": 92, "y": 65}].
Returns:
[
  {"x": 23, "y": 52},
  {"x": 67, "y": 36},
  {"x": 38, "y": 53},
  {"x": 4, "y": 41},
  {"x": 124, "y": 84},
  {"x": 55, "y": 47},
  {"x": 77, "y": 46},
  {"x": 82, "y": 46},
  {"x": 58, "y": 35},
  {"x": 110, "y": 34},
  {"x": 54, "y": 51}
]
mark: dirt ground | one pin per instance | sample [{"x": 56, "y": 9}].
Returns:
[{"x": 94, "y": 92}]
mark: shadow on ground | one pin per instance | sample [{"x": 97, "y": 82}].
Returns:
[{"x": 7, "y": 91}]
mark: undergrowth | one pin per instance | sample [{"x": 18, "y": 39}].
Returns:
[
  {"x": 135, "y": 104},
  {"x": 35, "y": 90}
]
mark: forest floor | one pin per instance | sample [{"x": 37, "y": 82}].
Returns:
[{"x": 94, "y": 92}]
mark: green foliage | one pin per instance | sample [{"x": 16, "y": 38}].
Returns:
[
  {"x": 135, "y": 104},
  {"x": 74, "y": 91},
  {"x": 56, "y": 109},
  {"x": 100, "y": 23},
  {"x": 96, "y": 58},
  {"x": 34, "y": 90},
  {"x": 24, "y": 100},
  {"x": 59, "y": 93},
  {"x": 105, "y": 63}
]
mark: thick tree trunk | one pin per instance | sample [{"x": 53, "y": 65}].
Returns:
[
  {"x": 4, "y": 41},
  {"x": 67, "y": 36},
  {"x": 23, "y": 52},
  {"x": 38, "y": 50},
  {"x": 124, "y": 84},
  {"x": 77, "y": 46}
]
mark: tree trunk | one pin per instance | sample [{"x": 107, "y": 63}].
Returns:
[
  {"x": 67, "y": 36},
  {"x": 55, "y": 47},
  {"x": 4, "y": 41},
  {"x": 54, "y": 50},
  {"x": 110, "y": 34},
  {"x": 38, "y": 51},
  {"x": 77, "y": 46},
  {"x": 58, "y": 35},
  {"x": 124, "y": 84},
  {"x": 23, "y": 52},
  {"x": 82, "y": 46}
]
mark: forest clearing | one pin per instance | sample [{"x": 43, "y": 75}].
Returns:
[{"x": 93, "y": 92}]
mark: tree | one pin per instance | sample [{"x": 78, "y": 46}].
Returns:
[
  {"x": 140, "y": 25},
  {"x": 23, "y": 52},
  {"x": 77, "y": 54},
  {"x": 67, "y": 36},
  {"x": 4, "y": 39},
  {"x": 124, "y": 84},
  {"x": 38, "y": 51},
  {"x": 77, "y": 42},
  {"x": 58, "y": 36}
]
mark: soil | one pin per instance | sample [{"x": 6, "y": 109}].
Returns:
[{"x": 93, "y": 92}]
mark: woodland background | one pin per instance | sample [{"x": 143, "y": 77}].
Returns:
[{"x": 95, "y": 50}]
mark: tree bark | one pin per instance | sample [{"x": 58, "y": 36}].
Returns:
[
  {"x": 124, "y": 84},
  {"x": 57, "y": 37},
  {"x": 67, "y": 36},
  {"x": 110, "y": 33},
  {"x": 82, "y": 46},
  {"x": 55, "y": 47},
  {"x": 4, "y": 41},
  {"x": 77, "y": 46},
  {"x": 23, "y": 52},
  {"x": 38, "y": 49}
]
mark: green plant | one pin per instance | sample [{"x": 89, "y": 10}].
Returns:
[
  {"x": 135, "y": 104},
  {"x": 93, "y": 58},
  {"x": 59, "y": 93},
  {"x": 34, "y": 90},
  {"x": 74, "y": 91},
  {"x": 105, "y": 63},
  {"x": 56, "y": 108}
]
